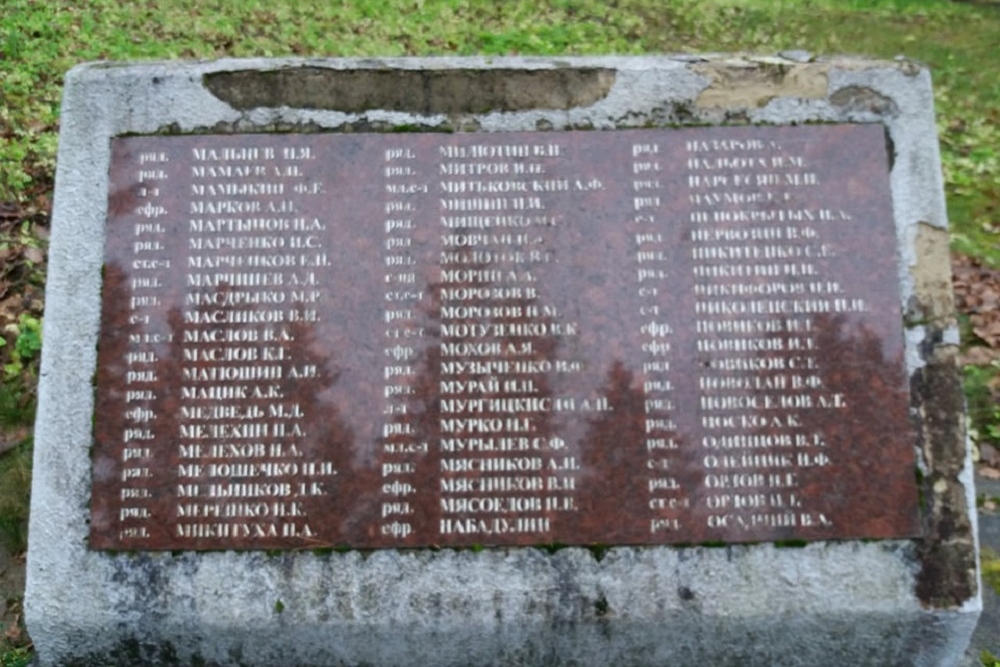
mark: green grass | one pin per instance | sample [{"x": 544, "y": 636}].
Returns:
[
  {"x": 991, "y": 568},
  {"x": 15, "y": 480},
  {"x": 17, "y": 411},
  {"x": 983, "y": 410},
  {"x": 16, "y": 657}
]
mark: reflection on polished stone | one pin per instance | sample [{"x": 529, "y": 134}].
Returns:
[{"x": 630, "y": 337}]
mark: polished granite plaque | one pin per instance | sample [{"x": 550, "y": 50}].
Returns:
[{"x": 413, "y": 340}]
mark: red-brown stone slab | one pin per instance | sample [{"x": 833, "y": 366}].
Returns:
[{"x": 412, "y": 340}]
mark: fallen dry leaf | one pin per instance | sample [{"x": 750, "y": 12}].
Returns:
[
  {"x": 34, "y": 255},
  {"x": 14, "y": 633},
  {"x": 989, "y": 473},
  {"x": 12, "y": 438},
  {"x": 977, "y": 294},
  {"x": 978, "y": 355},
  {"x": 988, "y": 454}
]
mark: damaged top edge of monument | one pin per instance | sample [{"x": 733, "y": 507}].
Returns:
[{"x": 493, "y": 94}]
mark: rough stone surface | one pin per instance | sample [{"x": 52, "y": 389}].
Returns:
[
  {"x": 895, "y": 602},
  {"x": 742, "y": 83},
  {"x": 935, "y": 301},
  {"x": 424, "y": 91}
]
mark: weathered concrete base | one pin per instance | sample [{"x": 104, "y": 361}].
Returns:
[
  {"x": 904, "y": 602},
  {"x": 824, "y": 604}
]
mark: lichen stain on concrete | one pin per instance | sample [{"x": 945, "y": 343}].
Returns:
[
  {"x": 863, "y": 99},
  {"x": 947, "y": 576},
  {"x": 415, "y": 91},
  {"x": 935, "y": 301},
  {"x": 749, "y": 84}
]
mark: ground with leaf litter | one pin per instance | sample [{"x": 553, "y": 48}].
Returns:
[
  {"x": 977, "y": 294},
  {"x": 23, "y": 239}
]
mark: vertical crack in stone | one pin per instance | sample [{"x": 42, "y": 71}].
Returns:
[{"x": 415, "y": 91}]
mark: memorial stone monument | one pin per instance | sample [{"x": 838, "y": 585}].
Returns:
[{"x": 587, "y": 361}]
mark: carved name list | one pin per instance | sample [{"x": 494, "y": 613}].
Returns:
[{"x": 629, "y": 337}]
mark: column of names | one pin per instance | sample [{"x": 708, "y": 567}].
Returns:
[
  {"x": 504, "y": 467},
  {"x": 249, "y": 284},
  {"x": 759, "y": 267}
]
